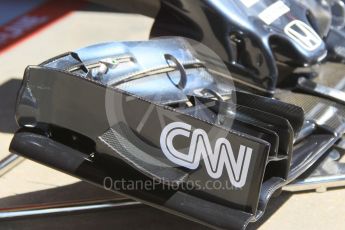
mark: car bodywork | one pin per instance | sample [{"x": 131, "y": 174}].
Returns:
[{"x": 142, "y": 111}]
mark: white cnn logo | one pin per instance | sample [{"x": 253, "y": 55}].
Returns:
[
  {"x": 303, "y": 35},
  {"x": 200, "y": 146}
]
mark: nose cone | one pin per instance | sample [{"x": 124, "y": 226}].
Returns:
[{"x": 308, "y": 44}]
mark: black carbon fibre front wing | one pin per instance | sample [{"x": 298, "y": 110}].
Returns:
[{"x": 154, "y": 114}]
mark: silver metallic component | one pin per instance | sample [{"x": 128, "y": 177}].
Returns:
[
  {"x": 9, "y": 162},
  {"x": 44, "y": 210},
  {"x": 329, "y": 174},
  {"x": 322, "y": 90},
  {"x": 98, "y": 73},
  {"x": 110, "y": 63}
]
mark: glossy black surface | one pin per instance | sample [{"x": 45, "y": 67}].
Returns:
[
  {"x": 251, "y": 45},
  {"x": 330, "y": 24},
  {"x": 103, "y": 109}
]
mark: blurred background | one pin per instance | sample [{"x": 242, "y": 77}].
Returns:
[{"x": 32, "y": 31}]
